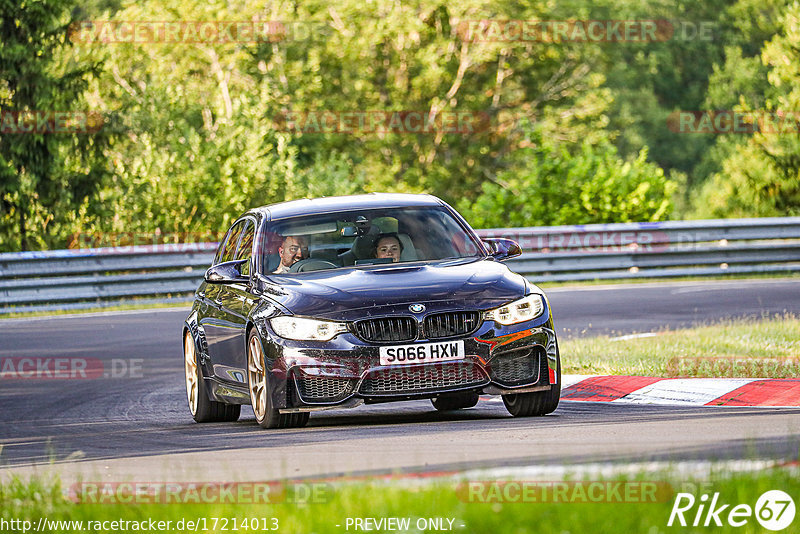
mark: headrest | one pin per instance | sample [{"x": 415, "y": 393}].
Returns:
[
  {"x": 409, "y": 253},
  {"x": 362, "y": 246},
  {"x": 384, "y": 225}
]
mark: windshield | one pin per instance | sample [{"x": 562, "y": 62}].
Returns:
[{"x": 364, "y": 237}]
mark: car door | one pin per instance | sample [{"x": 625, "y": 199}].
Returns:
[
  {"x": 236, "y": 301},
  {"x": 219, "y": 328}
]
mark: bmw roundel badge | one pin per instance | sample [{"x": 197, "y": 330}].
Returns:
[{"x": 417, "y": 308}]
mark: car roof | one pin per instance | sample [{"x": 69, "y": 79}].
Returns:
[{"x": 314, "y": 206}]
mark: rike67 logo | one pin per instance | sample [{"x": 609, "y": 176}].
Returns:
[{"x": 774, "y": 510}]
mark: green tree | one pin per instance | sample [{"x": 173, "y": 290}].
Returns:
[
  {"x": 762, "y": 177},
  {"x": 196, "y": 136},
  {"x": 414, "y": 56},
  {"x": 201, "y": 140},
  {"x": 45, "y": 178},
  {"x": 650, "y": 80},
  {"x": 551, "y": 186}
]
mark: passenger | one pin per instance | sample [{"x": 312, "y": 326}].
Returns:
[
  {"x": 292, "y": 250},
  {"x": 388, "y": 246}
]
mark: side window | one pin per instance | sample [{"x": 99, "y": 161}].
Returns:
[
  {"x": 245, "y": 250},
  {"x": 231, "y": 242},
  {"x": 218, "y": 255}
]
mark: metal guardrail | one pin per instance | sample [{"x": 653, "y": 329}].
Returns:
[
  {"x": 82, "y": 278},
  {"x": 98, "y": 277},
  {"x": 656, "y": 250}
]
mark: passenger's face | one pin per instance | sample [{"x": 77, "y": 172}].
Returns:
[
  {"x": 388, "y": 247},
  {"x": 292, "y": 250}
]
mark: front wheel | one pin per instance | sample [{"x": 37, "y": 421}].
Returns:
[
  {"x": 203, "y": 409},
  {"x": 537, "y": 403},
  {"x": 260, "y": 397}
]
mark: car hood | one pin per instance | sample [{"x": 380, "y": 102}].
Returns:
[{"x": 347, "y": 294}]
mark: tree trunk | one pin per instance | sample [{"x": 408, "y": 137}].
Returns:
[{"x": 23, "y": 237}]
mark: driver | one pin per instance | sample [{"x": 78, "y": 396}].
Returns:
[
  {"x": 388, "y": 246},
  {"x": 292, "y": 250}
]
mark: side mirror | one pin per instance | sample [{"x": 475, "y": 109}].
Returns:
[
  {"x": 227, "y": 272},
  {"x": 502, "y": 249}
]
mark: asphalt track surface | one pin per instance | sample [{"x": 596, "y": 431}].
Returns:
[{"x": 139, "y": 427}]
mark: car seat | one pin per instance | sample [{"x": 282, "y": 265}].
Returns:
[
  {"x": 361, "y": 249},
  {"x": 409, "y": 253}
]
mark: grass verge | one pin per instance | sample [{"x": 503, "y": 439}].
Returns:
[
  {"x": 128, "y": 306},
  {"x": 663, "y": 280},
  {"x": 767, "y": 348},
  {"x": 597, "y": 506}
]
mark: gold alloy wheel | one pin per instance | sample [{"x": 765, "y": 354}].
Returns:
[
  {"x": 190, "y": 366},
  {"x": 257, "y": 379}
]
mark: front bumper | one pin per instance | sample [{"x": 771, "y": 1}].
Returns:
[{"x": 346, "y": 371}]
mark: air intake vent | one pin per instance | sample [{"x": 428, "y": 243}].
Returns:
[
  {"x": 460, "y": 323},
  {"x": 324, "y": 388},
  {"x": 386, "y": 329},
  {"x": 422, "y": 379},
  {"x": 517, "y": 367}
]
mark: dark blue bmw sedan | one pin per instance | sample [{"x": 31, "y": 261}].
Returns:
[{"x": 334, "y": 302}]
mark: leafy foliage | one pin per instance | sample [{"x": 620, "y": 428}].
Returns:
[
  {"x": 551, "y": 186},
  {"x": 576, "y": 133},
  {"x": 762, "y": 178},
  {"x": 44, "y": 177}
]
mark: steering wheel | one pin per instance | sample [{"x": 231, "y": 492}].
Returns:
[{"x": 311, "y": 264}]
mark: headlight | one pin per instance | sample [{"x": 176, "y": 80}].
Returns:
[
  {"x": 303, "y": 329},
  {"x": 524, "y": 309}
]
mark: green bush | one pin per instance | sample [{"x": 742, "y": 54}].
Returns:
[{"x": 552, "y": 186}]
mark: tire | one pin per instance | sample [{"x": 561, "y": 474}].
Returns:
[
  {"x": 203, "y": 409},
  {"x": 455, "y": 401},
  {"x": 537, "y": 403},
  {"x": 260, "y": 398}
]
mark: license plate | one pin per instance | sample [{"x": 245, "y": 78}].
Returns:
[{"x": 422, "y": 353}]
